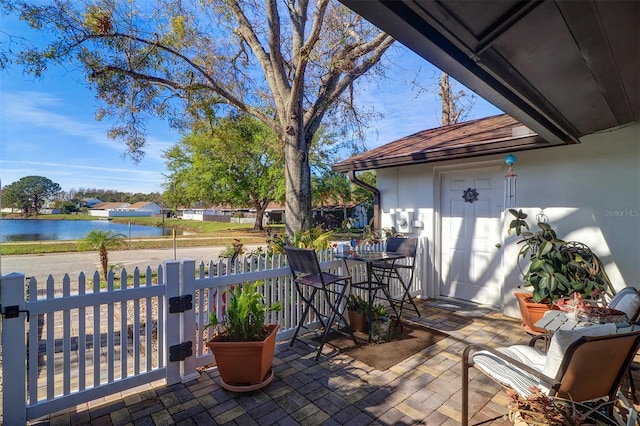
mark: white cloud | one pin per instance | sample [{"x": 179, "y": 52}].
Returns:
[{"x": 39, "y": 111}]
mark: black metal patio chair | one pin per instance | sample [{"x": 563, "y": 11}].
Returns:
[
  {"x": 386, "y": 271},
  {"x": 314, "y": 287}
]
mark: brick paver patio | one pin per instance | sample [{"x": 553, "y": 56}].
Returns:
[{"x": 423, "y": 389}]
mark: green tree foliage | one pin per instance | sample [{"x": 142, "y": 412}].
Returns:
[
  {"x": 29, "y": 193},
  {"x": 103, "y": 241},
  {"x": 114, "y": 196},
  {"x": 67, "y": 207},
  {"x": 315, "y": 237},
  {"x": 237, "y": 161},
  {"x": 290, "y": 64}
]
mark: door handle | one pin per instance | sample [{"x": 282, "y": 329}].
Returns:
[{"x": 498, "y": 245}]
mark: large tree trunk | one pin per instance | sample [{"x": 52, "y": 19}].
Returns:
[
  {"x": 298, "y": 188},
  {"x": 260, "y": 208}
]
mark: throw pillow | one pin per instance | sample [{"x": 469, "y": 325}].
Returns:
[{"x": 562, "y": 339}]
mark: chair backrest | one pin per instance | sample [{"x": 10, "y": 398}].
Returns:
[
  {"x": 406, "y": 246},
  {"x": 594, "y": 366},
  {"x": 627, "y": 300},
  {"x": 302, "y": 261}
]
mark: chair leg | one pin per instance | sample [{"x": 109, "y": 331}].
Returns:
[
  {"x": 335, "y": 308},
  {"x": 632, "y": 386},
  {"x": 385, "y": 290},
  {"x": 308, "y": 305},
  {"x": 464, "y": 412},
  {"x": 406, "y": 296},
  {"x": 385, "y": 278},
  {"x": 335, "y": 314}
]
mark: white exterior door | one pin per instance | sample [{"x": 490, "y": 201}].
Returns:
[{"x": 470, "y": 254}]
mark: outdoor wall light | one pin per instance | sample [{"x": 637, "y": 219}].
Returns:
[{"x": 510, "y": 182}]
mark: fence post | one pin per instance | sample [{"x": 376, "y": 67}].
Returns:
[
  {"x": 188, "y": 319},
  {"x": 14, "y": 349},
  {"x": 171, "y": 320}
]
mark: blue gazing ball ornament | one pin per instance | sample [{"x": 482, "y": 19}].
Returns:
[{"x": 510, "y": 159}]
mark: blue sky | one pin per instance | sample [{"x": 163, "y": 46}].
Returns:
[{"x": 47, "y": 126}]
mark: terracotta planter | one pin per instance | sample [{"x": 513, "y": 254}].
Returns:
[
  {"x": 245, "y": 365},
  {"x": 358, "y": 321},
  {"x": 531, "y": 312}
]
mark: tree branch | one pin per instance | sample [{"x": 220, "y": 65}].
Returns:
[
  {"x": 275, "y": 76},
  {"x": 333, "y": 86}
]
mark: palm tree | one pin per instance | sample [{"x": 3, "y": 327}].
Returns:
[{"x": 102, "y": 241}]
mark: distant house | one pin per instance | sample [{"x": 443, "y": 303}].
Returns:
[
  {"x": 274, "y": 213},
  {"x": 90, "y": 202},
  {"x": 145, "y": 206},
  {"x": 110, "y": 210},
  {"x": 202, "y": 212}
]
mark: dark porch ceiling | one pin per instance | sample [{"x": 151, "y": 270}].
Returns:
[{"x": 563, "y": 68}]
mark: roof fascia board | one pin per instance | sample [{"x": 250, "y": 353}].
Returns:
[{"x": 497, "y": 146}]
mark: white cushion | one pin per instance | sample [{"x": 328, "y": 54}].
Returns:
[
  {"x": 509, "y": 375},
  {"x": 627, "y": 301},
  {"x": 563, "y": 338}
]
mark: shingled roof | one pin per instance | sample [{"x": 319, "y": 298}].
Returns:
[{"x": 491, "y": 135}]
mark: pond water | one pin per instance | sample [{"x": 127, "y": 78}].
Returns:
[{"x": 46, "y": 230}]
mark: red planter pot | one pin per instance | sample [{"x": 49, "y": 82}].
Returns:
[
  {"x": 531, "y": 312},
  {"x": 358, "y": 322},
  {"x": 245, "y": 366}
]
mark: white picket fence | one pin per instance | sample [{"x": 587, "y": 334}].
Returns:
[{"x": 89, "y": 339}]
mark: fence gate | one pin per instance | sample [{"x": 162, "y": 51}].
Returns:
[{"x": 76, "y": 342}]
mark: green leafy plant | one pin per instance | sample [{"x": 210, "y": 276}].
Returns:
[
  {"x": 557, "y": 269},
  {"x": 244, "y": 315},
  {"x": 382, "y": 326},
  {"x": 379, "y": 311},
  {"x": 316, "y": 238},
  {"x": 357, "y": 303},
  {"x": 373, "y": 236}
]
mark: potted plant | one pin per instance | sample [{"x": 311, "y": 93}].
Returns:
[
  {"x": 556, "y": 270},
  {"x": 357, "y": 311},
  {"x": 243, "y": 345},
  {"x": 382, "y": 326}
]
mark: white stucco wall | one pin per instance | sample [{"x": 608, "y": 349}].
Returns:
[{"x": 590, "y": 192}]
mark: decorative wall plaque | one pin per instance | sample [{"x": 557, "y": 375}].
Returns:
[{"x": 470, "y": 195}]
